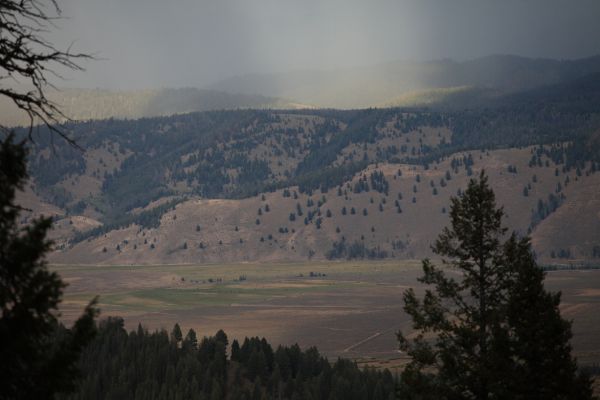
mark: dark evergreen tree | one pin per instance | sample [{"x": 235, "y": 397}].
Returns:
[
  {"x": 176, "y": 335},
  {"x": 477, "y": 338},
  {"x": 191, "y": 340},
  {"x": 538, "y": 337},
  {"x": 235, "y": 351},
  {"x": 38, "y": 356}
]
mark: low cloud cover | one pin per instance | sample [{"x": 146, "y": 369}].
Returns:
[{"x": 153, "y": 43}]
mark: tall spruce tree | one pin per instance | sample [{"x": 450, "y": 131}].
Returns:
[
  {"x": 38, "y": 357},
  {"x": 473, "y": 338},
  {"x": 538, "y": 337}
]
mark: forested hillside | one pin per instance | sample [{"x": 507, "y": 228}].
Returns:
[{"x": 297, "y": 180}]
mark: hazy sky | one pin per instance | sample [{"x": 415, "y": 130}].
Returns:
[{"x": 158, "y": 43}]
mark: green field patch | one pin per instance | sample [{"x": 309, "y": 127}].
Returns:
[
  {"x": 156, "y": 288},
  {"x": 215, "y": 295}
]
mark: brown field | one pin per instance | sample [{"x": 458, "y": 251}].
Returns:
[{"x": 354, "y": 310}]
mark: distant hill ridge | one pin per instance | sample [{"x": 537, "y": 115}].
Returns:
[
  {"x": 381, "y": 84},
  {"x": 437, "y": 84},
  {"x": 90, "y": 104}
]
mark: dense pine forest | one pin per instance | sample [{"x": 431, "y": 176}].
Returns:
[{"x": 158, "y": 365}]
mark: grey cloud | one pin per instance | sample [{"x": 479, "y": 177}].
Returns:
[{"x": 154, "y": 43}]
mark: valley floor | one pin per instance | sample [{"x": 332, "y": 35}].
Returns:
[{"x": 349, "y": 309}]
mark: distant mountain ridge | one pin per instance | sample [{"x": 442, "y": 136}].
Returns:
[
  {"x": 437, "y": 84},
  {"x": 381, "y": 84},
  {"x": 91, "y": 104}
]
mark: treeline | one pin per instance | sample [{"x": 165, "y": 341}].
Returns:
[
  {"x": 545, "y": 208},
  {"x": 157, "y": 365},
  {"x": 146, "y": 219},
  {"x": 355, "y": 250},
  {"x": 328, "y": 177}
]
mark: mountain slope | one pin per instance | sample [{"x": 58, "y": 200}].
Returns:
[
  {"x": 196, "y": 186},
  {"x": 201, "y": 231}
]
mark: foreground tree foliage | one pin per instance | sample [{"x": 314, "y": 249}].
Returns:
[
  {"x": 493, "y": 332},
  {"x": 37, "y": 357},
  {"x": 156, "y": 365}
]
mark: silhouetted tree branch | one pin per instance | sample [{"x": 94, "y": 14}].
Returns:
[{"x": 27, "y": 60}]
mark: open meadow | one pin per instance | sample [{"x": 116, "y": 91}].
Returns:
[{"x": 349, "y": 309}]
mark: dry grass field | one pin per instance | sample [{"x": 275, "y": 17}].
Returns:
[{"x": 349, "y": 309}]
